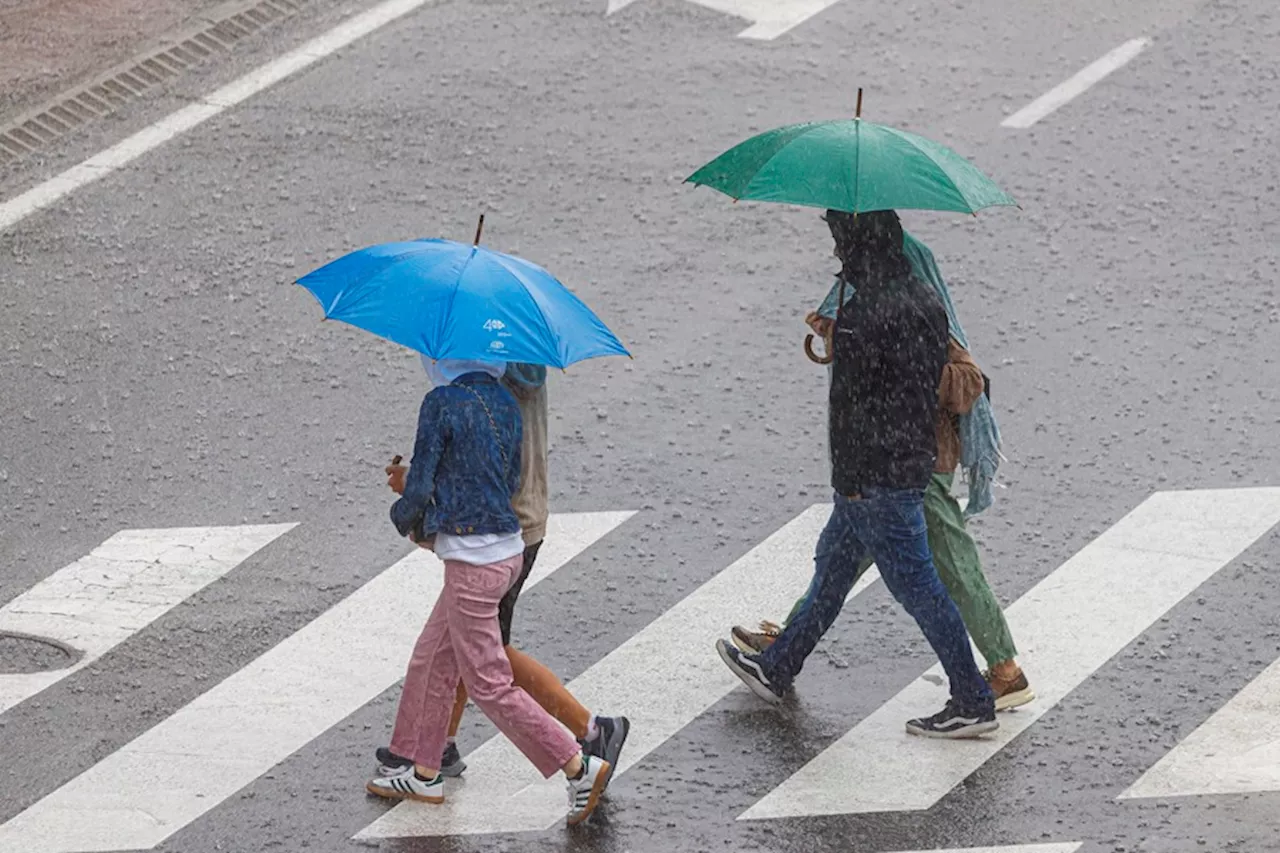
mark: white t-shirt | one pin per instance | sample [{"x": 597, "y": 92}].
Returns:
[{"x": 479, "y": 549}]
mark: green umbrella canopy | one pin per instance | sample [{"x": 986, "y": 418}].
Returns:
[{"x": 851, "y": 165}]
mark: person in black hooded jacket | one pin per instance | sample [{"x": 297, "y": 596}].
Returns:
[{"x": 890, "y": 349}]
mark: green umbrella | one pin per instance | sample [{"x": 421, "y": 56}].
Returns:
[{"x": 851, "y": 165}]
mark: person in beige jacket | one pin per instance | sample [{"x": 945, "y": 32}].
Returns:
[{"x": 602, "y": 737}]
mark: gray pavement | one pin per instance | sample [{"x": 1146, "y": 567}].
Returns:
[{"x": 159, "y": 370}]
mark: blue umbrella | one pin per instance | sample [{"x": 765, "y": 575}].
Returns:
[{"x": 451, "y": 300}]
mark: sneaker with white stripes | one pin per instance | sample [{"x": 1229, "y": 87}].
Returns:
[
  {"x": 954, "y": 722},
  {"x": 747, "y": 667},
  {"x": 585, "y": 791},
  {"x": 407, "y": 786},
  {"x": 390, "y": 764}
]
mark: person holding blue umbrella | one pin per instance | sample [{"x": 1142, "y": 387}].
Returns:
[
  {"x": 468, "y": 311},
  {"x": 600, "y": 735}
]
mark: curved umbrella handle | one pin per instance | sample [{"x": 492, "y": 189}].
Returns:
[{"x": 813, "y": 356}]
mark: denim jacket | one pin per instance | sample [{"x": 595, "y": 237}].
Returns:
[{"x": 459, "y": 481}]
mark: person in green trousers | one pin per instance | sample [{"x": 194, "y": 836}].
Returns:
[{"x": 954, "y": 551}]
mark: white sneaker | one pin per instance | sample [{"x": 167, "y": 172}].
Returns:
[
  {"x": 407, "y": 786},
  {"x": 584, "y": 792}
]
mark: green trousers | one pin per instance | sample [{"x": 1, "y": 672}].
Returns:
[{"x": 955, "y": 555}]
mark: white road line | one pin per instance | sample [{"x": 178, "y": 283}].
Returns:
[
  {"x": 1069, "y": 847},
  {"x": 164, "y": 779},
  {"x": 1066, "y": 627},
  {"x": 1235, "y": 751},
  {"x": 1076, "y": 85},
  {"x": 662, "y": 679},
  {"x": 123, "y": 585},
  {"x": 179, "y": 122},
  {"x": 770, "y": 18}
]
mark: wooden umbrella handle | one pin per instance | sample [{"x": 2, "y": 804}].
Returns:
[{"x": 813, "y": 356}]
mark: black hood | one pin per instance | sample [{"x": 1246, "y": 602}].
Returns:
[{"x": 869, "y": 246}]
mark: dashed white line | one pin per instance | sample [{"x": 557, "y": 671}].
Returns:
[{"x": 1074, "y": 86}]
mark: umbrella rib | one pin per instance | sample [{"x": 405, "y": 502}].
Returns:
[{"x": 457, "y": 284}]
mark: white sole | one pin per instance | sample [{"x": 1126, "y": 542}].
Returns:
[
  {"x": 1015, "y": 700},
  {"x": 966, "y": 733},
  {"x": 756, "y": 687}
]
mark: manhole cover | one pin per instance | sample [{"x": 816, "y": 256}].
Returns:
[{"x": 21, "y": 653}]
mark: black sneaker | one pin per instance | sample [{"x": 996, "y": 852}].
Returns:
[
  {"x": 954, "y": 723},
  {"x": 747, "y": 667},
  {"x": 611, "y": 735},
  {"x": 390, "y": 764}
]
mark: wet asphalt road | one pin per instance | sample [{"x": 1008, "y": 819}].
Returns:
[{"x": 159, "y": 369}]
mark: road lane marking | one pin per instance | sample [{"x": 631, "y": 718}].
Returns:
[
  {"x": 1067, "y": 627},
  {"x": 1235, "y": 751},
  {"x": 1074, "y": 86},
  {"x": 182, "y": 768},
  {"x": 1069, "y": 847},
  {"x": 769, "y": 18},
  {"x": 176, "y": 123},
  {"x": 662, "y": 678},
  {"x": 121, "y": 587}
]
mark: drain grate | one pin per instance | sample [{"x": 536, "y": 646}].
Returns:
[{"x": 217, "y": 35}]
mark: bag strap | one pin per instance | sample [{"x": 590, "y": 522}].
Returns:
[{"x": 493, "y": 425}]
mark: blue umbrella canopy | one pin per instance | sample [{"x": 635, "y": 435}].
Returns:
[{"x": 453, "y": 300}]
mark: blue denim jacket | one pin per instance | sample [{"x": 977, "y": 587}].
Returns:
[{"x": 458, "y": 481}]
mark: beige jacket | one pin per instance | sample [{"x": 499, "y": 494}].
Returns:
[{"x": 530, "y": 501}]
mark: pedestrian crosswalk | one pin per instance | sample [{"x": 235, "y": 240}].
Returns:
[
  {"x": 126, "y": 583},
  {"x": 1067, "y": 627},
  {"x": 665, "y": 677},
  {"x": 240, "y": 729},
  {"x": 1236, "y": 751}
]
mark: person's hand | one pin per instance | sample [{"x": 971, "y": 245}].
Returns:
[
  {"x": 821, "y": 325},
  {"x": 428, "y": 542},
  {"x": 395, "y": 476}
]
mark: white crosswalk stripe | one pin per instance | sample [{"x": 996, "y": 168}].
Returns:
[
  {"x": 1070, "y": 847},
  {"x": 123, "y": 585},
  {"x": 1236, "y": 751},
  {"x": 205, "y": 752},
  {"x": 1067, "y": 627},
  {"x": 664, "y": 678}
]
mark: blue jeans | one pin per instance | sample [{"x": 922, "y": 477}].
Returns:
[{"x": 888, "y": 526}]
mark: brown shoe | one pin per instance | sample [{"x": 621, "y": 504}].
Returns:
[
  {"x": 755, "y": 642},
  {"x": 1010, "y": 692}
]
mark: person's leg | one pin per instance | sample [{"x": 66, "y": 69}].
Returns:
[
  {"x": 506, "y": 612},
  {"x": 955, "y": 555},
  {"x": 837, "y": 557},
  {"x": 459, "y": 706},
  {"x": 531, "y": 676},
  {"x": 486, "y": 670},
  {"x": 866, "y": 563},
  {"x": 895, "y": 530},
  {"x": 422, "y": 717},
  {"x": 432, "y": 668}
]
